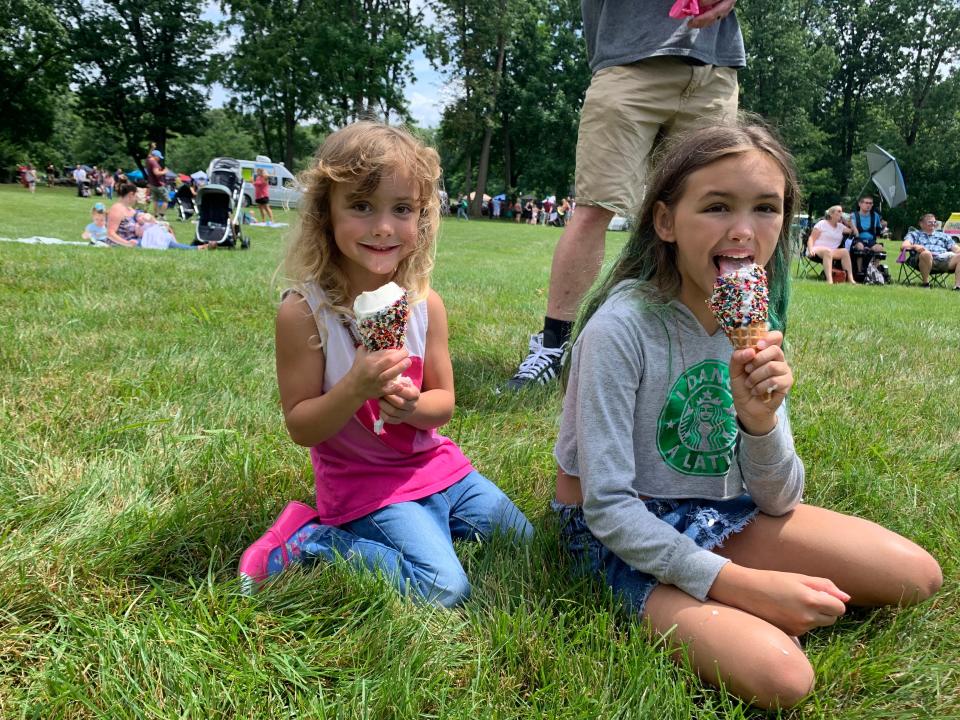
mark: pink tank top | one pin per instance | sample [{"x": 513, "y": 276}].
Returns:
[{"x": 358, "y": 471}]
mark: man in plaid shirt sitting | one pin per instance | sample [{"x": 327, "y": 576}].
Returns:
[{"x": 932, "y": 250}]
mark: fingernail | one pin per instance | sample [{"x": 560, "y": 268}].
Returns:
[
  {"x": 761, "y": 344},
  {"x": 748, "y": 367}
]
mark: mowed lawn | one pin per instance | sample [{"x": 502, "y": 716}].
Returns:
[{"x": 142, "y": 448}]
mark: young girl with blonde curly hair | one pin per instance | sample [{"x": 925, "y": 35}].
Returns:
[{"x": 394, "y": 501}]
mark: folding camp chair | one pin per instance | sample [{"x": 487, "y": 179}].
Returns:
[{"x": 807, "y": 267}]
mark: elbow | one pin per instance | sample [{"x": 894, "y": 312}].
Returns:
[{"x": 299, "y": 436}]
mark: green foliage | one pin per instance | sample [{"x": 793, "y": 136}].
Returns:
[
  {"x": 34, "y": 71},
  {"x": 136, "y": 64},
  {"x": 143, "y": 449},
  {"x": 317, "y": 59},
  {"x": 225, "y": 134}
]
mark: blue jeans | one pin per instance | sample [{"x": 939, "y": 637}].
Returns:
[{"x": 411, "y": 543}]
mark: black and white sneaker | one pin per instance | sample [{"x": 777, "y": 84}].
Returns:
[{"x": 541, "y": 365}]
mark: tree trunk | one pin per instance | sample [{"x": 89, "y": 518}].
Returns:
[
  {"x": 508, "y": 180},
  {"x": 468, "y": 173},
  {"x": 289, "y": 132},
  {"x": 488, "y": 130}
]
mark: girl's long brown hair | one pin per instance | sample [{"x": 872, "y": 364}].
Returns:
[{"x": 651, "y": 262}]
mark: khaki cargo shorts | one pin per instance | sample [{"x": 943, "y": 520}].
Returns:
[
  {"x": 158, "y": 193},
  {"x": 627, "y": 107}
]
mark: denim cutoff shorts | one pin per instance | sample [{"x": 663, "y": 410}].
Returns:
[{"x": 707, "y": 522}]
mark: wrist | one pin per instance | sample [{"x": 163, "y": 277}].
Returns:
[
  {"x": 731, "y": 584},
  {"x": 757, "y": 426}
]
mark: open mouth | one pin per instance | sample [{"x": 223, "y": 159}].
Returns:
[{"x": 731, "y": 262}]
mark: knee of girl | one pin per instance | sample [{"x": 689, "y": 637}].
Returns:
[
  {"x": 783, "y": 682},
  {"x": 448, "y": 592},
  {"x": 923, "y": 576}
]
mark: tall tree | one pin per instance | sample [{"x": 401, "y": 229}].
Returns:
[
  {"x": 136, "y": 65},
  {"x": 324, "y": 60},
  {"x": 543, "y": 91},
  {"x": 34, "y": 67},
  {"x": 476, "y": 38}
]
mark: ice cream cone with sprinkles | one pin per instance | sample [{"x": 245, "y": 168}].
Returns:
[
  {"x": 381, "y": 323},
  {"x": 739, "y": 302}
]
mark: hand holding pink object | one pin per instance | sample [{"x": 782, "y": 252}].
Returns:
[{"x": 684, "y": 8}]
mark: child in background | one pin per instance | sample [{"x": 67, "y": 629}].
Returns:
[
  {"x": 678, "y": 481},
  {"x": 392, "y": 502},
  {"x": 96, "y": 231},
  {"x": 156, "y": 235}
]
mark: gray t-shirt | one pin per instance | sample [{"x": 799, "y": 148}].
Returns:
[
  {"x": 620, "y": 32},
  {"x": 648, "y": 411}
]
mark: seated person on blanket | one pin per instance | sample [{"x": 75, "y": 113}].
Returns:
[
  {"x": 158, "y": 235},
  {"x": 96, "y": 231},
  {"x": 932, "y": 250}
]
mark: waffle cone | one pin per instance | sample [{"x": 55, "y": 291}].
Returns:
[{"x": 747, "y": 336}]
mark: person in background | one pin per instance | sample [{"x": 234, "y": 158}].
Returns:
[
  {"x": 653, "y": 75},
  {"x": 96, "y": 232},
  {"x": 108, "y": 184},
  {"x": 261, "y": 196},
  {"x": 826, "y": 241},
  {"x": 932, "y": 250},
  {"x": 865, "y": 243},
  {"x": 121, "y": 219},
  {"x": 156, "y": 182},
  {"x": 80, "y": 178},
  {"x": 30, "y": 179}
]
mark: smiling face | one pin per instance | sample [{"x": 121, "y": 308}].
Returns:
[
  {"x": 374, "y": 231},
  {"x": 730, "y": 215}
]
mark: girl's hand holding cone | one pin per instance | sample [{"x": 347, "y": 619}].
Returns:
[{"x": 760, "y": 379}]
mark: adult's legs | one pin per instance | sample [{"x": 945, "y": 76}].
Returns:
[
  {"x": 576, "y": 261},
  {"x": 827, "y": 256},
  {"x": 925, "y": 264},
  {"x": 954, "y": 265}
]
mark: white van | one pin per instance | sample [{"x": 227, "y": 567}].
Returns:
[{"x": 284, "y": 189}]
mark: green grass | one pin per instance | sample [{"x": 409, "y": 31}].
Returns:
[{"x": 142, "y": 449}]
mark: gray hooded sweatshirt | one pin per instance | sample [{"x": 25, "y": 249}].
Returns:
[{"x": 648, "y": 412}]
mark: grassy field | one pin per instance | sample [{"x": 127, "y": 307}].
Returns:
[{"x": 142, "y": 449}]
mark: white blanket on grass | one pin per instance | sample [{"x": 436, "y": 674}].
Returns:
[{"x": 40, "y": 240}]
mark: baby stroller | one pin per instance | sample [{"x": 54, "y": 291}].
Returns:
[
  {"x": 220, "y": 206},
  {"x": 184, "y": 202}
]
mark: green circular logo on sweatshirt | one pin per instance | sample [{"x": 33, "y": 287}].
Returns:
[{"x": 697, "y": 427}]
